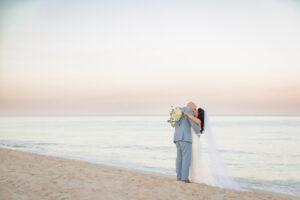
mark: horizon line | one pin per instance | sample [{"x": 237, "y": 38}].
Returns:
[{"x": 142, "y": 115}]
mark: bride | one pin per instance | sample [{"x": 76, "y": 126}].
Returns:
[{"x": 206, "y": 165}]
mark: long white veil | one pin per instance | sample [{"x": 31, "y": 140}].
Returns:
[{"x": 217, "y": 168}]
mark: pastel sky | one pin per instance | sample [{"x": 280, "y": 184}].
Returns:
[{"x": 141, "y": 57}]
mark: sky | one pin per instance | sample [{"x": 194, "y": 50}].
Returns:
[{"x": 142, "y": 57}]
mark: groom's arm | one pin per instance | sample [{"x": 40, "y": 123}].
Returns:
[
  {"x": 193, "y": 124},
  {"x": 195, "y": 127}
]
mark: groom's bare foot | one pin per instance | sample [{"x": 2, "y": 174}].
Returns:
[{"x": 187, "y": 181}]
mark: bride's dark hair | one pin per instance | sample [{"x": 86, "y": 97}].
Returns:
[{"x": 201, "y": 117}]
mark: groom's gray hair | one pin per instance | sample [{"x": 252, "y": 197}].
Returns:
[{"x": 191, "y": 104}]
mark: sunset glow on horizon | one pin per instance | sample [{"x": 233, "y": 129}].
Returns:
[{"x": 141, "y": 57}]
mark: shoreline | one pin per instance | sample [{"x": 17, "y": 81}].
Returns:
[{"x": 25, "y": 175}]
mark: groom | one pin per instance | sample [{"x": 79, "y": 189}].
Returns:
[{"x": 183, "y": 141}]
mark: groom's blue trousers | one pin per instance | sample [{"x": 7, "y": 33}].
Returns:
[{"x": 183, "y": 160}]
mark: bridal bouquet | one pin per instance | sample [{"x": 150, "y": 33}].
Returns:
[{"x": 175, "y": 116}]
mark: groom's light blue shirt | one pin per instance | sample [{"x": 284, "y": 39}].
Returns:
[{"x": 183, "y": 128}]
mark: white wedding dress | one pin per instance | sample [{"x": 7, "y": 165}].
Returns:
[{"x": 206, "y": 165}]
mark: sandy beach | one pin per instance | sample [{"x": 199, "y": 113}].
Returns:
[{"x": 30, "y": 176}]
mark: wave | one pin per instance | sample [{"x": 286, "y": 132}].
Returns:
[
  {"x": 291, "y": 187},
  {"x": 141, "y": 147}
]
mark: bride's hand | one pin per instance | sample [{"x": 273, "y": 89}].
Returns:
[
  {"x": 185, "y": 114},
  {"x": 183, "y": 111}
]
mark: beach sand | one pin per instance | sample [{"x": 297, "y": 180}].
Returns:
[{"x": 37, "y": 177}]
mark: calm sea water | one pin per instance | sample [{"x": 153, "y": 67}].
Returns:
[{"x": 259, "y": 152}]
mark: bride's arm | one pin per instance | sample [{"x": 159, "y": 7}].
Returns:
[{"x": 194, "y": 119}]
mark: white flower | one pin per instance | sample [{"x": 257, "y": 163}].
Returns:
[{"x": 175, "y": 116}]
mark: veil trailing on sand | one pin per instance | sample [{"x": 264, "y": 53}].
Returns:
[
  {"x": 208, "y": 167},
  {"x": 216, "y": 167}
]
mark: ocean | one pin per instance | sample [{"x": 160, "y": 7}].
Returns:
[{"x": 260, "y": 152}]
